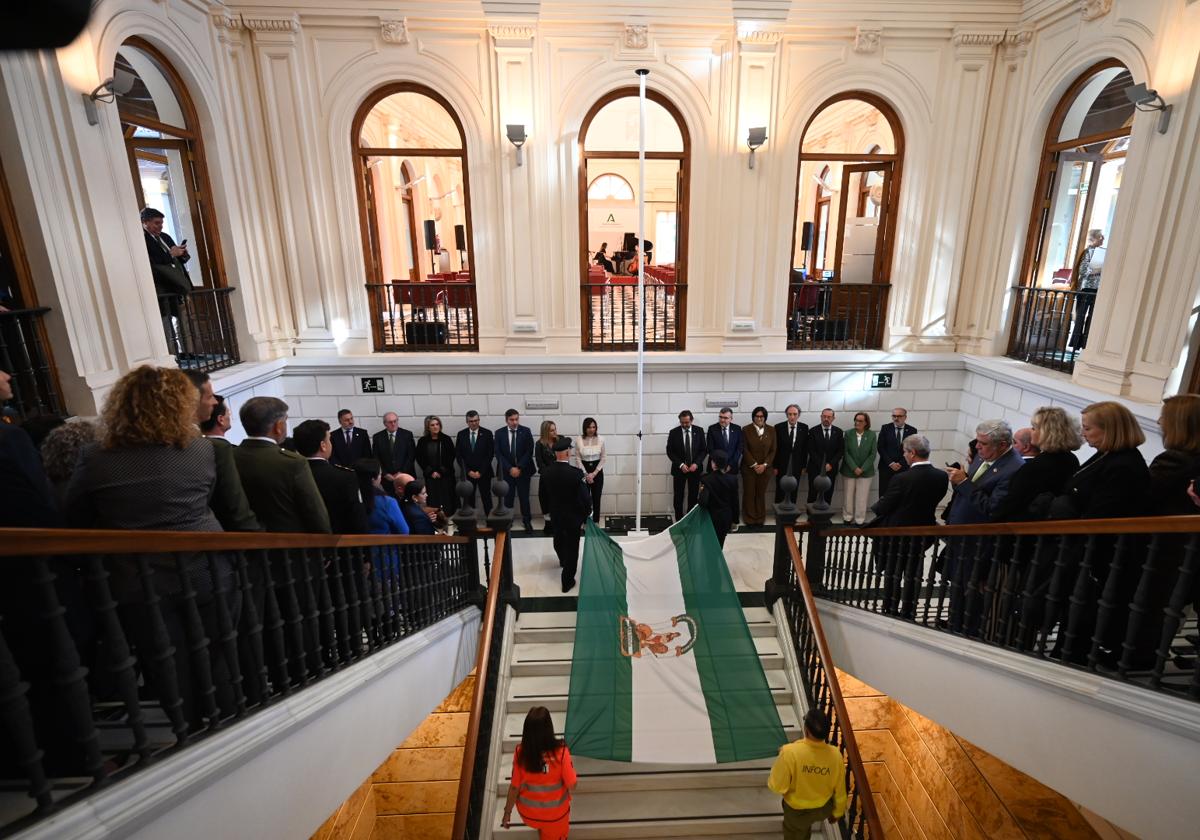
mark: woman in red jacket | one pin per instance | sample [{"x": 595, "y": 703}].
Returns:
[{"x": 542, "y": 779}]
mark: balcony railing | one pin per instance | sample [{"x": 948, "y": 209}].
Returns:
[
  {"x": 199, "y": 329},
  {"x": 1108, "y": 595},
  {"x": 437, "y": 315},
  {"x": 1050, "y": 326},
  {"x": 610, "y": 305},
  {"x": 23, "y": 354},
  {"x": 120, "y": 648},
  {"x": 836, "y": 316}
]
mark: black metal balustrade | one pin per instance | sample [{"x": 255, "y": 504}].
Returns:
[
  {"x": 1047, "y": 330},
  {"x": 426, "y": 316},
  {"x": 199, "y": 329},
  {"x": 1109, "y": 595},
  {"x": 23, "y": 354},
  {"x": 119, "y": 648},
  {"x": 836, "y": 316},
  {"x": 610, "y": 314}
]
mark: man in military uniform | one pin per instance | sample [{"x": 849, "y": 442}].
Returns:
[{"x": 570, "y": 505}]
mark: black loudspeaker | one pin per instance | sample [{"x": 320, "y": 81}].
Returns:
[
  {"x": 806, "y": 237},
  {"x": 460, "y": 238},
  {"x": 630, "y": 242},
  {"x": 430, "y": 235}
]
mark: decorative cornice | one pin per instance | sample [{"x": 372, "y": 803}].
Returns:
[
  {"x": 1093, "y": 9},
  {"x": 222, "y": 18},
  {"x": 291, "y": 23},
  {"x": 637, "y": 36},
  {"x": 866, "y": 39},
  {"x": 512, "y": 31},
  {"x": 394, "y": 31},
  {"x": 759, "y": 37},
  {"x": 1016, "y": 43},
  {"x": 967, "y": 38}
]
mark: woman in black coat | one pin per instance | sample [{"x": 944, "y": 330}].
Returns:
[
  {"x": 543, "y": 456},
  {"x": 436, "y": 457},
  {"x": 1034, "y": 486}
]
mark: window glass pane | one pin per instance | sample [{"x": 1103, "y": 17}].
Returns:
[
  {"x": 611, "y": 187},
  {"x": 153, "y": 95},
  {"x": 611, "y": 217},
  {"x": 615, "y": 128},
  {"x": 1101, "y": 105},
  {"x": 410, "y": 120},
  {"x": 406, "y": 193},
  {"x": 849, "y": 127}
]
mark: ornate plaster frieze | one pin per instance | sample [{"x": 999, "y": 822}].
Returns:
[
  {"x": 290, "y": 23},
  {"x": 1093, "y": 9},
  {"x": 1016, "y": 43},
  {"x": 512, "y": 31},
  {"x": 637, "y": 36},
  {"x": 222, "y": 18},
  {"x": 967, "y": 38},
  {"x": 394, "y": 31},
  {"x": 866, "y": 39},
  {"x": 764, "y": 37}
]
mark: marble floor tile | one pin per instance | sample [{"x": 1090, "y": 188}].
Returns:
[
  {"x": 421, "y": 765},
  {"x": 415, "y": 797},
  {"x": 446, "y": 729}
]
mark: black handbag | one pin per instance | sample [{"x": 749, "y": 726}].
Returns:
[{"x": 170, "y": 279}]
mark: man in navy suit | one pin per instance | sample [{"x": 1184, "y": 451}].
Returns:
[
  {"x": 476, "y": 448},
  {"x": 979, "y": 489},
  {"x": 824, "y": 453},
  {"x": 394, "y": 448},
  {"x": 349, "y": 442},
  {"x": 725, "y": 437},
  {"x": 514, "y": 458},
  {"x": 685, "y": 448},
  {"x": 891, "y": 448}
]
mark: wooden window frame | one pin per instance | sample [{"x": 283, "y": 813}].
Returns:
[
  {"x": 368, "y": 223},
  {"x": 682, "y": 200},
  {"x": 187, "y": 140}
]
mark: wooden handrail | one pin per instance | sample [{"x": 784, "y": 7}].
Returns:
[
  {"x": 50, "y": 541},
  {"x": 857, "y": 768},
  {"x": 486, "y": 627},
  {"x": 1131, "y": 525}
]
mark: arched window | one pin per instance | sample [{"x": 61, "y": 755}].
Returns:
[
  {"x": 844, "y": 224},
  {"x": 415, "y": 209},
  {"x": 166, "y": 160},
  {"x": 608, "y": 209},
  {"x": 1083, "y": 161}
]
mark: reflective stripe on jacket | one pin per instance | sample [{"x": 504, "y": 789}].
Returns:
[{"x": 544, "y": 797}]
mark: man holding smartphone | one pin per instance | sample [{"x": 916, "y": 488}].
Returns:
[{"x": 171, "y": 281}]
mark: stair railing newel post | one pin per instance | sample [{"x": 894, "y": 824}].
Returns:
[
  {"x": 501, "y": 520},
  {"x": 786, "y": 514},
  {"x": 820, "y": 515},
  {"x": 466, "y": 525}
]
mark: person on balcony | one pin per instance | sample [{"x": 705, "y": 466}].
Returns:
[
  {"x": 891, "y": 447},
  {"x": 758, "y": 453},
  {"x": 858, "y": 468},
  {"x": 825, "y": 449},
  {"x": 338, "y": 486},
  {"x": 791, "y": 456},
  {"x": 810, "y": 775},
  {"x": 543, "y": 779},
  {"x": 1085, "y": 281},
  {"x": 168, "y": 264}
]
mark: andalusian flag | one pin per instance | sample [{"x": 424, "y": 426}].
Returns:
[{"x": 664, "y": 668}]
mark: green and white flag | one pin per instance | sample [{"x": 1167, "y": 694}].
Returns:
[{"x": 664, "y": 668}]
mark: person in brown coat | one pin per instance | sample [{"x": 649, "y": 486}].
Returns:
[{"x": 758, "y": 453}]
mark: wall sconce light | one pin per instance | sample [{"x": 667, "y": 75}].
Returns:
[
  {"x": 119, "y": 84},
  {"x": 1147, "y": 99},
  {"x": 754, "y": 141},
  {"x": 516, "y": 136}
]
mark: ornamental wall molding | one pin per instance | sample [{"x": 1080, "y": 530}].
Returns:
[
  {"x": 1017, "y": 43},
  {"x": 512, "y": 31},
  {"x": 394, "y": 31},
  {"x": 968, "y": 38},
  {"x": 1094, "y": 9},
  {"x": 637, "y": 36},
  {"x": 866, "y": 39},
  {"x": 224, "y": 19},
  {"x": 291, "y": 23},
  {"x": 759, "y": 37}
]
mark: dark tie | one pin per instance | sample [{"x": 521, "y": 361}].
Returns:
[
  {"x": 687, "y": 445},
  {"x": 392, "y": 443},
  {"x": 826, "y": 436},
  {"x": 792, "y": 435},
  {"x": 472, "y": 441},
  {"x": 347, "y": 437},
  {"x": 725, "y": 431},
  {"x": 512, "y": 443}
]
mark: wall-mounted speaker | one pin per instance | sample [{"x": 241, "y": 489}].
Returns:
[
  {"x": 430, "y": 235},
  {"x": 460, "y": 237},
  {"x": 806, "y": 237}
]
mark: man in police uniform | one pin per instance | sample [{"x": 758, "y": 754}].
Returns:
[{"x": 570, "y": 505}]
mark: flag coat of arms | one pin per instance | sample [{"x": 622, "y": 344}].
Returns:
[{"x": 664, "y": 668}]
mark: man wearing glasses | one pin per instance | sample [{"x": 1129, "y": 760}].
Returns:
[{"x": 891, "y": 448}]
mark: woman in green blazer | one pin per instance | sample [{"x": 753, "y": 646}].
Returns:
[{"x": 858, "y": 468}]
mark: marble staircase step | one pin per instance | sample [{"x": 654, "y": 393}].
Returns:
[
  {"x": 554, "y": 658},
  {"x": 597, "y": 775},
  {"x": 551, "y": 691},
  {"x": 560, "y": 626}
]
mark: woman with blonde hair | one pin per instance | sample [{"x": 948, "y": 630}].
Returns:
[
  {"x": 1055, "y": 436},
  {"x": 1115, "y": 481},
  {"x": 543, "y": 456},
  {"x": 1172, "y": 471}
]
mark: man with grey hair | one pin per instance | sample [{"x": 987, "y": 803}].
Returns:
[
  {"x": 913, "y": 495},
  {"x": 1023, "y": 443},
  {"x": 980, "y": 488},
  {"x": 278, "y": 483}
]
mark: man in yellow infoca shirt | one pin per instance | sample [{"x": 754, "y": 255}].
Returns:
[{"x": 811, "y": 777}]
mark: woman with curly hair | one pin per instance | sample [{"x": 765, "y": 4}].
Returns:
[
  {"x": 60, "y": 453},
  {"x": 153, "y": 471}
]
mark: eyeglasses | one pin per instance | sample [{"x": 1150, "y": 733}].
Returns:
[{"x": 899, "y": 416}]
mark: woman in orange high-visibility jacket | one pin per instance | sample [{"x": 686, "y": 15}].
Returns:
[{"x": 542, "y": 779}]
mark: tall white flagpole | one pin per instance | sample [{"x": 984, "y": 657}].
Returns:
[{"x": 641, "y": 307}]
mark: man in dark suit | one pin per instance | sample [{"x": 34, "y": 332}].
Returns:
[
  {"x": 824, "y": 453},
  {"x": 912, "y": 499},
  {"x": 26, "y": 498},
  {"x": 168, "y": 266},
  {"x": 395, "y": 449},
  {"x": 514, "y": 461},
  {"x": 979, "y": 489},
  {"x": 685, "y": 449},
  {"x": 725, "y": 437},
  {"x": 278, "y": 484},
  {"x": 791, "y": 450},
  {"x": 349, "y": 442},
  {"x": 228, "y": 502},
  {"x": 338, "y": 486},
  {"x": 891, "y": 448},
  {"x": 570, "y": 505},
  {"x": 475, "y": 448}
]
